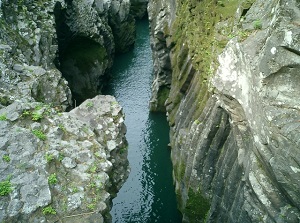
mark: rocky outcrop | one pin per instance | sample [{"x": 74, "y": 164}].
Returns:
[
  {"x": 27, "y": 51},
  {"x": 160, "y": 17},
  {"x": 234, "y": 117},
  {"x": 89, "y": 33},
  {"x": 58, "y": 166}
]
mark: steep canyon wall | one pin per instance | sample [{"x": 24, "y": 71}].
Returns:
[
  {"x": 227, "y": 74},
  {"x": 57, "y": 165}
]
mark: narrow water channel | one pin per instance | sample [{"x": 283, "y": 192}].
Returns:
[{"x": 148, "y": 194}]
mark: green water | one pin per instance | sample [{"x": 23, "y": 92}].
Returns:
[{"x": 148, "y": 194}]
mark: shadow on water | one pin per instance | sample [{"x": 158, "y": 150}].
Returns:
[{"x": 148, "y": 194}]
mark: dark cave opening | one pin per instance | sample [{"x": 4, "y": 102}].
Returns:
[{"x": 81, "y": 60}]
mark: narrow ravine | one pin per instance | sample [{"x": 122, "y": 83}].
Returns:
[{"x": 148, "y": 194}]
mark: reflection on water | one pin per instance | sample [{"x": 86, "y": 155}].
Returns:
[{"x": 148, "y": 194}]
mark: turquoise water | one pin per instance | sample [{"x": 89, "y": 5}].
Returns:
[{"x": 148, "y": 194}]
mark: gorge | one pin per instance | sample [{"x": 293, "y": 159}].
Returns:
[
  {"x": 226, "y": 73},
  {"x": 148, "y": 194}
]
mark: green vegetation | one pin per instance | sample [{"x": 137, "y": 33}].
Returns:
[
  {"x": 61, "y": 157},
  {"x": 195, "y": 25},
  {"x": 36, "y": 116},
  {"x": 92, "y": 185},
  {"x": 38, "y": 112},
  {"x": 93, "y": 168},
  {"x": 52, "y": 179},
  {"x": 62, "y": 127},
  {"x": 89, "y": 104},
  {"x": 3, "y": 117},
  {"x": 39, "y": 134},
  {"x": 74, "y": 189},
  {"x": 49, "y": 157},
  {"x": 4, "y": 100},
  {"x": 5, "y": 187},
  {"x": 195, "y": 33},
  {"x": 123, "y": 150},
  {"x": 49, "y": 210},
  {"x": 163, "y": 94},
  {"x": 197, "y": 207},
  {"x": 257, "y": 24},
  {"x": 6, "y": 158},
  {"x": 91, "y": 206}
]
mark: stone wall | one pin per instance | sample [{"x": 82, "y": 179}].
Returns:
[{"x": 233, "y": 117}]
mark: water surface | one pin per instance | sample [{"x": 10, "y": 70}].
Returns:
[{"x": 148, "y": 194}]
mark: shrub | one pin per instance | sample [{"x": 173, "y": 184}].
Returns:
[
  {"x": 257, "y": 24},
  {"x": 6, "y": 158},
  {"x": 3, "y": 117},
  {"x": 5, "y": 187},
  {"x": 49, "y": 157},
  {"x": 39, "y": 134},
  {"x": 52, "y": 179},
  {"x": 48, "y": 210},
  {"x": 36, "y": 116}
]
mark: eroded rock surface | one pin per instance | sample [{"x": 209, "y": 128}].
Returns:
[
  {"x": 55, "y": 165},
  {"x": 67, "y": 162},
  {"x": 234, "y": 118},
  {"x": 89, "y": 34}
]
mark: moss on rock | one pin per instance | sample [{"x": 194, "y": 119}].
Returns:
[{"x": 197, "y": 207}]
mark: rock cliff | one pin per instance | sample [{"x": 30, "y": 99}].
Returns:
[
  {"x": 89, "y": 33},
  {"x": 227, "y": 74},
  {"x": 60, "y": 166},
  {"x": 57, "y": 165}
]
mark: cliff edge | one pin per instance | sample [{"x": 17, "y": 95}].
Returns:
[
  {"x": 57, "y": 165},
  {"x": 226, "y": 72}
]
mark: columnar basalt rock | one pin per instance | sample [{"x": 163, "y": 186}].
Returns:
[
  {"x": 233, "y": 117},
  {"x": 160, "y": 15}
]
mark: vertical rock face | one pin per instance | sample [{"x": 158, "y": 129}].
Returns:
[
  {"x": 28, "y": 48},
  {"x": 89, "y": 33},
  {"x": 139, "y": 8},
  {"x": 160, "y": 16},
  {"x": 56, "y": 165},
  {"x": 234, "y": 117}
]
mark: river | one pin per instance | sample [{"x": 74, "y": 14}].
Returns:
[{"x": 148, "y": 194}]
